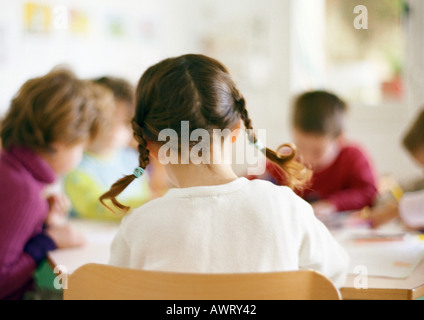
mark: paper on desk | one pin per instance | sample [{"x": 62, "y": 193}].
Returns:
[
  {"x": 96, "y": 232},
  {"x": 98, "y": 235},
  {"x": 385, "y": 259}
]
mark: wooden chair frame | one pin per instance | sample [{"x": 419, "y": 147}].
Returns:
[{"x": 104, "y": 282}]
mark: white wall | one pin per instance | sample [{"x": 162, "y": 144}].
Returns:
[{"x": 250, "y": 37}]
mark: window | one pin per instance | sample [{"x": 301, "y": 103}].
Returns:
[{"x": 364, "y": 49}]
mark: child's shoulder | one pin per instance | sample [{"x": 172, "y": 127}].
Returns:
[
  {"x": 13, "y": 179},
  {"x": 283, "y": 199},
  {"x": 353, "y": 150},
  {"x": 151, "y": 208},
  {"x": 12, "y": 172},
  {"x": 268, "y": 192},
  {"x": 260, "y": 195},
  {"x": 16, "y": 183},
  {"x": 268, "y": 186},
  {"x": 353, "y": 147}
]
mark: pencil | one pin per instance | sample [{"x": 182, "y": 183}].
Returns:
[{"x": 397, "y": 192}]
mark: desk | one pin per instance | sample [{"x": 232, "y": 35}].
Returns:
[
  {"x": 387, "y": 289},
  {"x": 379, "y": 288},
  {"x": 100, "y": 235}
]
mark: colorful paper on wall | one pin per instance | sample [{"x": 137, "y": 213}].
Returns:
[
  {"x": 78, "y": 22},
  {"x": 37, "y": 18}
]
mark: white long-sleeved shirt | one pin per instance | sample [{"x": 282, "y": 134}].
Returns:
[
  {"x": 411, "y": 209},
  {"x": 239, "y": 227}
]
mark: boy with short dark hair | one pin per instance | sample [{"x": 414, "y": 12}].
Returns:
[{"x": 343, "y": 178}]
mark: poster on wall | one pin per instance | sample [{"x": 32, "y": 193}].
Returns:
[
  {"x": 43, "y": 19},
  {"x": 115, "y": 26},
  {"x": 37, "y": 18},
  {"x": 79, "y": 22}
]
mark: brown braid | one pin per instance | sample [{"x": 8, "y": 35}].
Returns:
[
  {"x": 297, "y": 175},
  {"x": 144, "y": 153},
  {"x": 119, "y": 186}
]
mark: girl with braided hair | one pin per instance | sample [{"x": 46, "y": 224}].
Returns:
[{"x": 213, "y": 221}]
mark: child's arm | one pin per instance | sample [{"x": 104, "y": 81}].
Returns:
[
  {"x": 57, "y": 228},
  {"x": 409, "y": 209},
  {"x": 17, "y": 261},
  {"x": 17, "y": 268},
  {"x": 65, "y": 236},
  {"x": 381, "y": 215},
  {"x": 59, "y": 205}
]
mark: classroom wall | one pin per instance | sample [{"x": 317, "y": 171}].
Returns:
[
  {"x": 249, "y": 37},
  {"x": 259, "y": 43}
]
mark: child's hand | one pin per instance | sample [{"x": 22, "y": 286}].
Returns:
[
  {"x": 59, "y": 206},
  {"x": 381, "y": 215},
  {"x": 323, "y": 209},
  {"x": 65, "y": 236}
]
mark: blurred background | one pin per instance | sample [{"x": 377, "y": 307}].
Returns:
[{"x": 275, "y": 49}]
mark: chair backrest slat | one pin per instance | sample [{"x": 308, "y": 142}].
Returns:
[{"x": 104, "y": 282}]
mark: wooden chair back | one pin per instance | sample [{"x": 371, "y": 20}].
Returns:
[{"x": 104, "y": 282}]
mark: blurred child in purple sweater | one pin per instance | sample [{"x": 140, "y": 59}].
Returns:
[{"x": 43, "y": 136}]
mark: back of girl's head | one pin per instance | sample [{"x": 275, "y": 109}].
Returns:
[
  {"x": 198, "y": 90},
  {"x": 52, "y": 108},
  {"x": 189, "y": 88},
  {"x": 414, "y": 138},
  {"x": 319, "y": 112}
]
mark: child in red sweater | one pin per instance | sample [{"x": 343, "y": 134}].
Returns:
[{"x": 343, "y": 177}]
